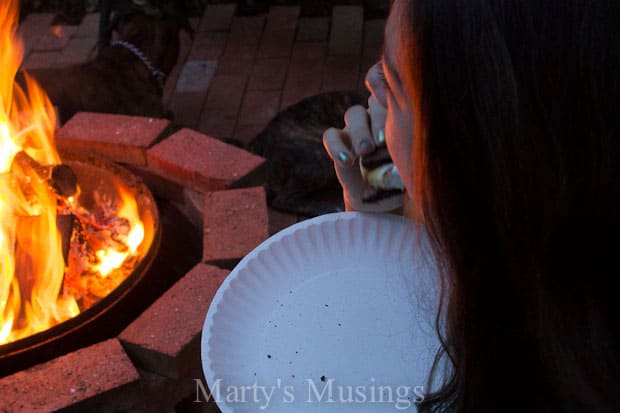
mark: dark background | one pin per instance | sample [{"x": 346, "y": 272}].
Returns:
[{"x": 71, "y": 11}]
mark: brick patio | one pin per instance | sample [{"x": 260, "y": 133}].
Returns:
[
  {"x": 238, "y": 71},
  {"x": 235, "y": 75}
]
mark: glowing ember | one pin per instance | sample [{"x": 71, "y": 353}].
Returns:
[{"x": 35, "y": 292}]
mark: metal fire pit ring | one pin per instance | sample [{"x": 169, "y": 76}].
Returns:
[{"x": 95, "y": 323}]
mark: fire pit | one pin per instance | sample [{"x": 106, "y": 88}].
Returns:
[
  {"x": 138, "y": 347},
  {"x": 105, "y": 188},
  {"x": 76, "y": 235}
]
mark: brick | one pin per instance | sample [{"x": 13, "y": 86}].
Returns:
[
  {"x": 118, "y": 137},
  {"x": 208, "y": 45},
  {"x": 165, "y": 339},
  {"x": 218, "y": 123},
  {"x": 276, "y": 43},
  {"x": 77, "y": 51},
  {"x": 307, "y": 58},
  {"x": 186, "y": 107},
  {"x": 268, "y": 74},
  {"x": 247, "y": 29},
  {"x": 341, "y": 73},
  {"x": 367, "y": 63},
  {"x": 217, "y": 17},
  {"x": 313, "y": 29},
  {"x": 89, "y": 27},
  {"x": 96, "y": 378},
  {"x": 282, "y": 18},
  {"x": 339, "y": 81},
  {"x": 203, "y": 163},
  {"x": 244, "y": 134},
  {"x": 300, "y": 86},
  {"x": 346, "y": 30},
  {"x": 163, "y": 394},
  {"x": 193, "y": 206},
  {"x": 237, "y": 63},
  {"x": 196, "y": 76},
  {"x": 226, "y": 93},
  {"x": 236, "y": 221},
  {"x": 280, "y": 220},
  {"x": 56, "y": 38},
  {"x": 259, "y": 107},
  {"x": 185, "y": 45},
  {"x": 373, "y": 38}
]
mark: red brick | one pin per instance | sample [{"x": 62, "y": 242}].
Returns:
[
  {"x": 118, "y": 137},
  {"x": 208, "y": 45},
  {"x": 186, "y": 108},
  {"x": 373, "y": 38},
  {"x": 340, "y": 73},
  {"x": 163, "y": 394},
  {"x": 236, "y": 221},
  {"x": 218, "y": 123},
  {"x": 89, "y": 27},
  {"x": 203, "y": 163},
  {"x": 56, "y": 38},
  {"x": 259, "y": 107},
  {"x": 96, "y": 378},
  {"x": 185, "y": 45},
  {"x": 226, "y": 93},
  {"x": 300, "y": 86},
  {"x": 247, "y": 29},
  {"x": 165, "y": 339},
  {"x": 236, "y": 64},
  {"x": 276, "y": 43},
  {"x": 279, "y": 220},
  {"x": 307, "y": 58},
  {"x": 268, "y": 74},
  {"x": 244, "y": 134},
  {"x": 217, "y": 17},
  {"x": 367, "y": 63},
  {"x": 193, "y": 206},
  {"x": 346, "y": 30},
  {"x": 282, "y": 17},
  {"x": 313, "y": 29},
  {"x": 334, "y": 81}
]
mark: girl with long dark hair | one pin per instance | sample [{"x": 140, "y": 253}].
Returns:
[{"x": 503, "y": 120}]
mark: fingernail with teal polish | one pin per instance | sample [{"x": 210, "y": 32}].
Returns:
[
  {"x": 364, "y": 145},
  {"x": 381, "y": 136},
  {"x": 343, "y": 157}
]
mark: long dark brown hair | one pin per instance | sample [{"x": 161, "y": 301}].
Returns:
[{"x": 517, "y": 170}]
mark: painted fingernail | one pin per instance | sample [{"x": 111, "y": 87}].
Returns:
[
  {"x": 365, "y": 146},
  {"x": 343, "y": 157},
  {"x": 381, "y": 136}
]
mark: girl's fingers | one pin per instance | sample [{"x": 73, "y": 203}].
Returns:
[
  {"x": 377, "y": 113},
  {"x": 337, "y": 144},
  {"x": 358, "y": 129}
]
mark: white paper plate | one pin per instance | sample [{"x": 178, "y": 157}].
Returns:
[{"x": 343, "y": 303}]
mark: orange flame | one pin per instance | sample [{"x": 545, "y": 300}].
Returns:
[
  {"x": 111, "y": 259},
  {"x": 32, "y": 266},
  {"x": 30, "y": 288}
]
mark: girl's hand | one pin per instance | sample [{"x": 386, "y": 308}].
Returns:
[{"x": 363, "y": 133}]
